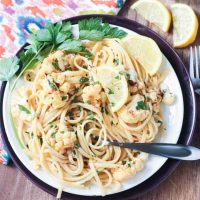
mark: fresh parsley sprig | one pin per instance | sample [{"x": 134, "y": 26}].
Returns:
[
  {"x": 53, "y": 37},
  {"x": 8, "y": 68},
  {"x": 94, "y": 29}
]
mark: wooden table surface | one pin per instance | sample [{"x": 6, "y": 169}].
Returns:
[{"x": 183, "y": 184}]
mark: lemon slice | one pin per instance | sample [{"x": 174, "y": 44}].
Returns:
[
  {"x": 145, "y": 51},
  {"x": 155, "y": 12},
  {"x": 115, "y": 86},
  {"x": 185, "y": 25}
]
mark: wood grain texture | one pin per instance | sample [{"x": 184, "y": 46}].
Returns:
[{"x": 183, "y": 184}]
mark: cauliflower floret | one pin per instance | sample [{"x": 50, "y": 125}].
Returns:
[
  {"x": 123, "y": 172},
  {"x": 57, "y": 100},
  {"x": 58, "y": 77},
  {"x": 131, "y": 113},
  {"x": 65, "y": 140},
  {"x": 152, "y": 95},
  {"x": 92, "y": 94},
  {"x": 168, "y": 98},
  {"x": 66, "y": 88}
]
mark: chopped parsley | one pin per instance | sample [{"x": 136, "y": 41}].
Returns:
[
  {"x": 141, "y": 105},
  {"x": 77, "y": 145},
  {"x": 160, "y": 122},
  {"x": 89, "y": 56},
  {"x": 129, "y": 164},
  {"x": 68, "y": 69},
  {"x": 53, "y": 135},
  {"x": 112, "y": 104},
  {"x": 116, "y": 61},
  {"x": 31, "y": 134},
  {"x": 52, "y": 85},
  {"x": 64, "y": 98},
  {"x": 62, "y": 132},
  {"x": 84, "y": 80},
  {"x": 118, "y": 77},
  {"x": 91, "y": 117},
  {"x": 41, "y": 140},
  {"x": 127, "y": 75},
  {"x": 124, "y": 162},
  {"x": 55, "y": 64},
  {"x": 110, "y": 91},
  {"x": 24, "y": 109}
]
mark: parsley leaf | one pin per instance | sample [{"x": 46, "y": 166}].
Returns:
[
  {"x": 72, "y": 45},
  {"x": 63, "y": 98},
  {"x": 94, "y": 29},
  {"x": 112, "y": 104},
  {"x": 8, "y": 68},
  {"x": 116, "y": 61},
  {"x": 83, "y": 80},
  {"x": 77, "y": 145},
  {"x": 52, "y": 85},
  {"x": 55, "y": 64},
  {"x": 110, "y": 91},
  {"x": 141, "y": 105},
  {"x": 24, "y": 109}
]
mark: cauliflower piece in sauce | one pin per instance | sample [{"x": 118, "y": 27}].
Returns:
[
  {"x": 92, "y": 94},
  {"x": 123, "y": 172},
  {"x": 130, "y": 114}
]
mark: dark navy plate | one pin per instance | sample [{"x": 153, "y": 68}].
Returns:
[{"x": 186, "y": 132}]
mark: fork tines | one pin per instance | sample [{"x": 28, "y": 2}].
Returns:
[{"x": 194, "y": 65}]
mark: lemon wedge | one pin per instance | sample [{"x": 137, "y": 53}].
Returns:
[
  {"x": 115, "y": 86},
  {"x": 145, "y": 51},
  {"x": 185, "y": 25},
  {"x": 155, "y": 12}
]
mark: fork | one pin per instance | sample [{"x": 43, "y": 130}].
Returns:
[
  {"x": 194, "y": 68},
  {"x": 174, "y": 151}
]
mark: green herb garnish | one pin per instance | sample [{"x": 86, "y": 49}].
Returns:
[
  {"x": 41, "y": 140},
  {"x": 118, "y": 77},
  {"x": 124, "y": 162},
  {"x": 91, "y": 117},
  {"x": 64, "y": 98},
  {"x": 141, "y": 105},
  {"x": 8, "y": 68},
  {"x": 53, "y": 135},
  {"x": 32, "y": 134},
  {"x": 112, "y": 104},
  {"x": 94, "y": 29},
  {"x": 77, "y": 145},
  {"x": 83, "y": 80},
  {"x": 52, "y": 85},
  {"x": 62, "y": 132},
  {"x": 24, "y": 109},
  {"x": 110, "y": 91},
  {"x": 116, "y": 61},
  {"x": 53, "y": 37},
  {"x": 55, "y": 64},
  {"x": 68, "y": 69}
]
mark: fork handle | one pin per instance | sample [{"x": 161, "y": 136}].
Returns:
[{"x": 196, "y": 84}]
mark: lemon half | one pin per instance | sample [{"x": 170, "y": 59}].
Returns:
[
  {"x": 155, "y": 12},
  {"x": 115, "y": 86},
  {"x": 185, "y": 25}
]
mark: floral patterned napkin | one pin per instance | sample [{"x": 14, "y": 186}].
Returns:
[{"x": 20, "y": 17}]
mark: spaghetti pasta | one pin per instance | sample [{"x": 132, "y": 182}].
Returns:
[{"x": 66, "y": 116}]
